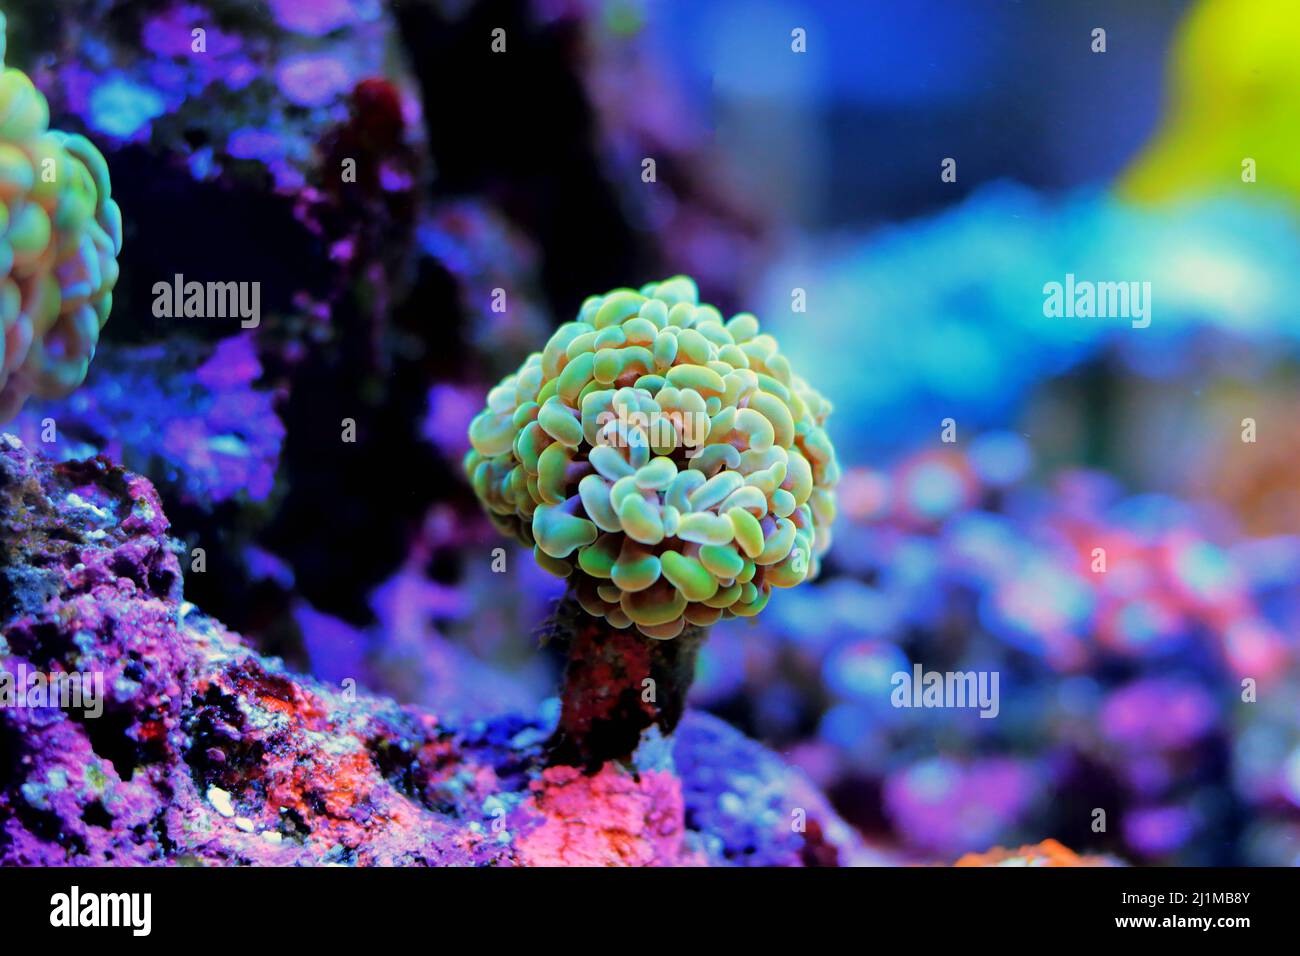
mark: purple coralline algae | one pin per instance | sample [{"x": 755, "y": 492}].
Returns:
[
  {"x": 183, "y": 67},
  {"x": 208, "y": 435},
  {"x": 202, "y": 751}
]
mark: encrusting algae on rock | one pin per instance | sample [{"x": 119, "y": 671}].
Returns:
[
  {"x": 209, "y": 754},
  {"x": 668, "y": 462},
  {"x": 60, "y": 235}
]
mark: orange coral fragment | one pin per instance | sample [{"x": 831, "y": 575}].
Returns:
[{"x": 1047, "y": 853}]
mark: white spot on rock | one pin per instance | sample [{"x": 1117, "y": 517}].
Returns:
[{"x": 221, "y": 801}]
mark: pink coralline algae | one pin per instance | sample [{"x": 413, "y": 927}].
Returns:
[
  {"x": 206, "y": 752},
  {"x": 637, "y": 822}
]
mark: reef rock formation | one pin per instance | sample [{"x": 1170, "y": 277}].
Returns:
[{"x": 201, "y": 751}]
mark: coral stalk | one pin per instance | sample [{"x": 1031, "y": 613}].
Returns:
[{"x": 617, "y": 685}]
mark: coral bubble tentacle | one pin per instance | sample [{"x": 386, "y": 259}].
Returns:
[
  {"x": 60, "y": 236},
  {"x": 669, "y": 462}
]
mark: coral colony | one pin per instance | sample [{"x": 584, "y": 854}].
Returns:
[
  {"x": 669, "y": 463},
  {"x": 591, "y": 453},
  {"x": 62, "y": 233}
]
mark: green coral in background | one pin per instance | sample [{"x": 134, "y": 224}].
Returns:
[
  {"x": 669, "y": 461},
  {"x": 60, "y": 235}
]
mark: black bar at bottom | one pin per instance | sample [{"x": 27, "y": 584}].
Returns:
[{"x": 296, "y": 906}]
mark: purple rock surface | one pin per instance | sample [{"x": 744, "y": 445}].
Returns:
[{"x": 199, "y": 750}]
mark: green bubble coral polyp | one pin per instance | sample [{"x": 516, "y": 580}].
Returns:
[
  {"x": 670, "y": 462},
  {"x": 60, "y": 235}
]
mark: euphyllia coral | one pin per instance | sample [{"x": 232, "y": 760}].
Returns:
[
  {"x": 60, "y": 234},
  {"x": 670, "y": 460}
]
